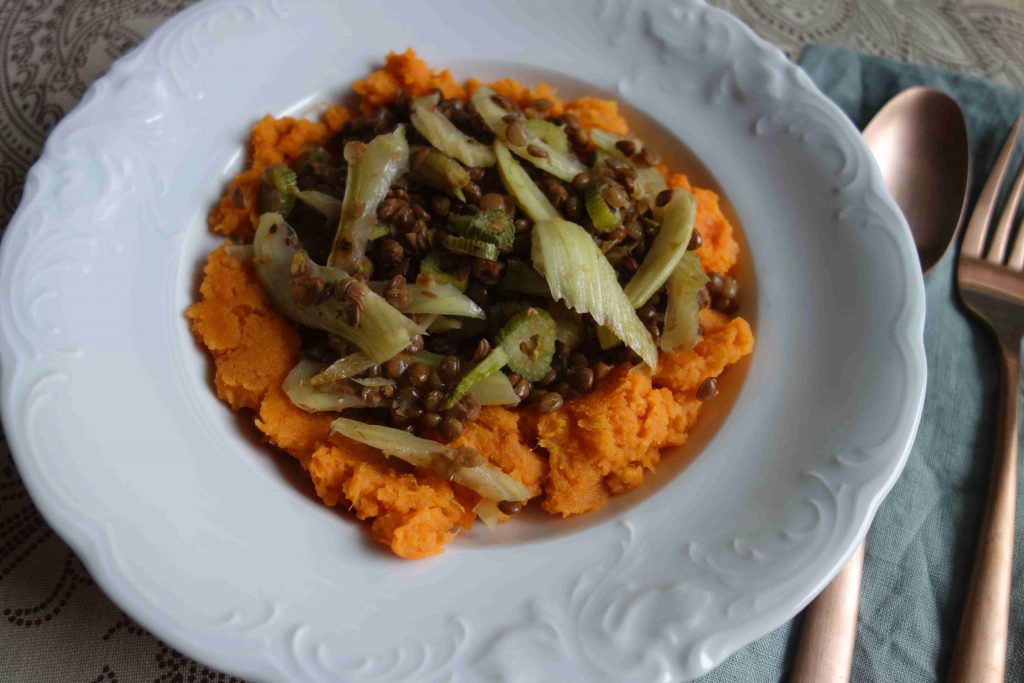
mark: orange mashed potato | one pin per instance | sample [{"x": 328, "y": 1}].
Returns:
[{"x": 598, "y": 445}]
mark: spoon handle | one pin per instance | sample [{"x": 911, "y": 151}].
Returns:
[
  {"x": 830, "y": 628},
  {"x": 980, "y": 654}
]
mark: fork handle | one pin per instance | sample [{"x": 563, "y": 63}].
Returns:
[{"x": 980, "y": 655}]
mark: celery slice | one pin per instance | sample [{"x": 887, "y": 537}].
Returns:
[
  {"x": 300, "y": 391},
  {"x": 370, "y": 176},
  {"x": 495, "y": 390},
  {"x": 470, "y": 247},
  {"x": 487, "y": 512},
  {"x": 603, "y": 216},
  {"x": 682, "y": 314},
  {"x": 323, "y": 203},
  {"x": 520, "y": 185},
  {"x": 280, "y": 186},
  {"x": 559, "y": 164},
  {"x": 431, "y": 271},
  {"x": 494, "y": 226},
  {"x": 382, "y": 331},
  {"x": 462, "y": 465},
  {"x": 343, "y": 368},
  {"x": 529, "y": 340},
  {"x": 666, "y": 250},
  {"x": 578, "y": 273},
  {"x": 442, "y": 134},
  {"x": 441, "y": 172}
]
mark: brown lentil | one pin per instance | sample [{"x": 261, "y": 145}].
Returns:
[
  {"x": 417, "y": 375},
  {"x": 627, "y": 147},
  {"x": 450, "y": 428},
  {"x": 510, "y": 507},
  {"x": 549, "y": 402},
  {"x": 483, "y": 347},
  {"x": 582, "y": 378},
  {"x": 395, "y": 367},
  {"x": 516, "y": 134},
  {"x": 440, "y": 205},
  {"x": 429, "y": 421},
  {"x": 730, "y": 288},
  {"x": 537, "y": 152},
  {"x": 695, "y": 241},
  {"x": 434, "y": 400},
  {"x": 582, "y": 181},
  {"x": 449, "y": 369},
  {"x": 491, "y": 201},
  {"x": 707, "y": 390},
  {"x": 615, "y": 196},
  {"x": 601, "y": 370},
  {"x": 472, "y": 193},
  {"x": 663, "y": 198},
  {"x": 415, "y": 344}
]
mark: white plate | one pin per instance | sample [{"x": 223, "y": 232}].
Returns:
[{"x": 215, "y": 543}]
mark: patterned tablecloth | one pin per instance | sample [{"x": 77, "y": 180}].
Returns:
[{"x": 56, "y": 624}]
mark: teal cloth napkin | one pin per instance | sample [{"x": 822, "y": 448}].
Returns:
[{"x": 921, "y": 546}]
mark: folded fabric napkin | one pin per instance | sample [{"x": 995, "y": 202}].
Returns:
[{"x": 921, "y": 546}]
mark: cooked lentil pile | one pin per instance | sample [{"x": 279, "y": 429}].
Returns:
[{"x": 503, "y": 289}]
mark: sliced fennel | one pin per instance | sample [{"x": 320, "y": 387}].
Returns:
[
  {"x": 494, "y": 390},
  {"x": 370, "y": 174},
  {"x": 436, "y": 299},
  {"x": 666, "y": 250},
  {"x": 299, "y": 389},
  {"x": 520, "y": 185},
  {"x": 462, "y": 465},
  {"x": 439, "y": 171},
  {"x": 323, "y": 203},
  {"x": 442, "y": 134},
  {"x": 682, "y": 314},
  {"x": 549, "y": 132},
  {"x": 382, "y": 331},
  {"x": 487, "y": 511},
  {"x": 492, "y": 363},
  {"x": 559, "y": 164},
  {"x": 343, "y": 368},
  {"x": 578, "y": 273}
]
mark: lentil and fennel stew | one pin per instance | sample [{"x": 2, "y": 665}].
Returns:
[{"x": 462, "y": 298}]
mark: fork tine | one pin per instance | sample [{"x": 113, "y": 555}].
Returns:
[
  {"x": 1017, "y": 257},
  {"x": 974, "y": 240},
  {"x": 997, "y": 250}
]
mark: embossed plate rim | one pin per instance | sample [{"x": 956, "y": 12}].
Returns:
[{"x": 690, "y": 603}]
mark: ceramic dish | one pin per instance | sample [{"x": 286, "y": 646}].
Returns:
[{"x": 213, "y": 541}]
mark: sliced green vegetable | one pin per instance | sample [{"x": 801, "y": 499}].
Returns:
[
  {"x": 666, "y": 250},
  {"x": 380, "y": 230},
  {"x": 343, "y": 368},
  {"x": 462, "y": 465},
  {"x": 439, "y": 171},
  {"x": 372, "y": 169},
  {"x": 382, "y": 330},
  {"x": 297, "y": 386},
  {"x": 495, "y": 390},
  {"x": 578, "y": 273},
  {"x": 469, "y": 247},
  {"x": 559, "y": 164},
  {"x": 603, "y": 216},
  {"x": 569, "y": 327},
  {"x": 494, "y": 226},
  {"x": 374, "y": 381},
  {"x": 492, "y": 363},
  {"x": 529, "y": 341},
  {"x": 443, "y": 323},
  {"x": 280, "y": 186},
  {"x": 442, "y": 134},
  {"x": 431, "y": 271},
  {"x": 520, "y": 185},
  {"x": 487, "y": 512},
  {"x": 682, "y": 313},
  {"x": 549, "y": 132},
  {"x": 521, "y": 277},
  {"x": 321, "y": 202},
  {"x": 436, "y": 299}
]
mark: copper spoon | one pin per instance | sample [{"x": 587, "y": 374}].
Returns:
[{"x": 919, "y": 140}]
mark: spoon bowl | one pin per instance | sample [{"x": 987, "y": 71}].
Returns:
[{"x": 919, "y": 140}]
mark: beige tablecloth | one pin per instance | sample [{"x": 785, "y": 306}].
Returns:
[{"x": 57, "y": 625}]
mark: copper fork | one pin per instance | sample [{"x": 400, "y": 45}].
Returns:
[{"x": 992, "y": 286}]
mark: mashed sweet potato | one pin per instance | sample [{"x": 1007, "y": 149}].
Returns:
[{"x": 598, "y": 445}]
